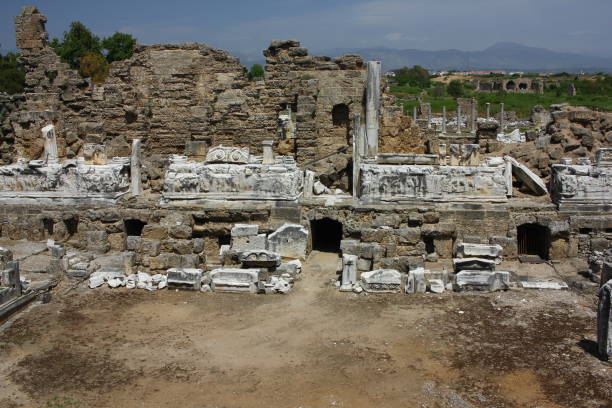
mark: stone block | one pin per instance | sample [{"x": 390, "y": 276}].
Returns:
[
  {"x": 364, "y": 265},
  {"x": 182, "y": 278},
  {"x": 440, "y": 230},
  {"x": 235, "y": 280},
  {"x": 150, "y": 247},
  {"x": 132, "y": 243},
  {"x": 382, "y": 280},
  {"x": 97, "y": 241},
  {"x": 444, "y": 247},
  {"x": 154, "y": 231},
  {"x": 117, "y": 242},
  {"x": 487, "y": 251},
  {"x": 290, "y": 241},
  {"x": 249, "y": 243},
  {"x": 349, "y": 246},
  {"x": 245, "y": 230},
  {"x": 415, "y": 283},
  {"x": 409, "y": 235},
  {"x": 349, "y": 272},
  {"x": 180, "y": 231},
  {"x": 481, "y": 280}
]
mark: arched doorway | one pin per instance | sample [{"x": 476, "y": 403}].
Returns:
[
  {"x": 533, "y": 239},
  {"x": 326, "y": 235}
]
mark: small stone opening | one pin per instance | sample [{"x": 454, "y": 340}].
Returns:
[
  {"x": 510, "y": 85},
  {"x": 430, "y": 247},
  {"x": 72, "y": 225},
  {"x": 326, "y": 235},
  {"x": 533, "y": 239},
  {"x": 133, "y": 228},
  {"x": 340, "y": 115},
  {"x": 48, "y": 226},
  {"x": 523, "y": 86},
  {"x": 585, "y": 231},
  {"x": 224, "y": 240}
]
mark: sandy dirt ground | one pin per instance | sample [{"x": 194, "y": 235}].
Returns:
[{"x": 315, "y": 347}]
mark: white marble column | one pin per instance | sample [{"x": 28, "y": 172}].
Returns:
[
  {"x": 444, "y": 119},
  {"x": 373, "y": 107},
  {"x": 488, "y": 110},
  {"x": 458, "y": 118},
  {"x": 135, "y": 168},
  {"x": 502, "y": 125}
]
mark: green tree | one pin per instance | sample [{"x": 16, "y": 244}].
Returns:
[
  {"x": 77, "y": 42},
  {"x": 12, "y": 74},
  {"x": 118, "y": 47},
  {"x": 94, "y": 66},
  {"x": 438, "y": 91},
  {"x": 455, "y": 88},
  {"x": 416, "y": 76},
  {"x": 256, "y": 72}
]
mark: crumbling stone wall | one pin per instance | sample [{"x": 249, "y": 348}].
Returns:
[{"x": 10, "y": 106}]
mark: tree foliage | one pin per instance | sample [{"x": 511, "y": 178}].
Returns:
[
  {"x": 94, "y": 66},
  {"x": 12, "y": 74},
  {"x": 455, "y": 88},
  {"x": 256, "y": 72},
  {"x": 77, "y": 42},
  {"x": 118, "y": 47},
  {"x": 416, "y": 76}
]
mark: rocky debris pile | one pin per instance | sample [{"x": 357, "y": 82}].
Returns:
[
  {"x": 140, "y": 280},
  {"x": 600, "y": 266},
  {"x": 474, "y": 268},
  {"x": 79, "y": 265}
]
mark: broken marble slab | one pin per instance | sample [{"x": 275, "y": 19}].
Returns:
[
  {"x": 259, "y": 258},
  {"x": 381, "y": 280},
  {"x": 290, "y": 241},
  {"x": 513, "y": 137},
  {"x": 472, "y": 263},
  {"x": 481, "y": 280},
  {"x": 435, "y": 285},
  {"x": 249, "y": 242},
  {"x": 531, "y": 180},
  {"x": 604, "y": 321},
  {"x": 468, "y": 250},
  {"x": 184, "y": 278},
  {"x": 545, "y": 285},
  {"x": 235, "y": 280}
]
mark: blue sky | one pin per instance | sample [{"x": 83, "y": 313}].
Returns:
[{"x": 247, "y": 26}]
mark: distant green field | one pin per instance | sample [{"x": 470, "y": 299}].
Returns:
[{"x": 592, "y": 94}]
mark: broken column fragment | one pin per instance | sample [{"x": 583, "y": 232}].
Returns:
[
  {"x": 349, "y": 272},
  {"x": 50, "y": 144},
  {"x": 135, "y": 167},
  {"x": 373, "y": 107},
  {"x": 604, "y": 321}
]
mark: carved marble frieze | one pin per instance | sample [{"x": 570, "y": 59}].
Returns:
[
  {"x": 389, "y": 183},
  {"x": 188, "y": 180}
]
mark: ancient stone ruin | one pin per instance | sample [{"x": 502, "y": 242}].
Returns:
[{"x": 183, "y": 174}]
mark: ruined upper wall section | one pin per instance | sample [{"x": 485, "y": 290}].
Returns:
[
  {"x": 290, "y": 54},
  {"x": 30, "y": 29}
]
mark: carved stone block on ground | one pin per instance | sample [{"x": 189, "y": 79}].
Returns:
[
  {"x": 290, "y": 241},
  {"x": 184, "y": 278},
  {"x": 381, "y": 280},
  {"x": 235, "y": 280}
]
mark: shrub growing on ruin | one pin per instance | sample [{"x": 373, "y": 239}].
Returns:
[
  {"x": 12, "y": 74},
  {"x": 94, "y": 66},
  {"x": 118, "y": 47},
  {"x": 77, "y": 42}
]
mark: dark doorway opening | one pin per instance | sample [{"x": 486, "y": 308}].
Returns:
[
  {"x": 430, "y": 248},
  {"x": 510, "y": 85},
  {"x": 340, "y": 115},
  {"x": 224, "y": 240},
  {"x": 533, "y": 239},
  {"x": 48, "y": 226},
  {"x": 326, "y": 235},
  {"x": 72, "y": 225},
  {"x": 133, "y": 228}
]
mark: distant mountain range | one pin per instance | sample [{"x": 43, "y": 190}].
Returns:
[{"x": 505, "y": 55}]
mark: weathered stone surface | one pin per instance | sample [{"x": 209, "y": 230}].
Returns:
[
  {"x": 290, "y": 241},
  {"x": 245, "y": 230},
  {"x": 234, "y": 280},
  {"x": 381, "y": 280},
  {"x": 184, "y": 278},
  {"x": 461, "y": 264},
  {"x": 532, "y": 180},
  {"x": 257, "y": 242},
  {"x": 259, "y": 258},
  {"x": 349, "y": 272},
  {"x": 481, "y": 280},
  {"x": 467, "y": 250}
]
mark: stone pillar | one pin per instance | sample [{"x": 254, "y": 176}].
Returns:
[
  {"x": 444, "y": 119},
  {"x": 488, "y": 110},
  {"x": 508, "y": 176},
  {"x": 414, "y": 114},
  {"x": 373, "y": 107},
  {"x": 458, "y": 118},
  {"x": 604, "y": 321},
  {"x": 268, "y": 153},
  {"x": 428, "y": 115},
  {"x": 357, "y": 151},
  {"x": 474, "y": 116},
  {"x": 50, "y": 144},
  {"x": 308, "y": 183},
  {"x": 349, "y": 272},
  {"x": 502, "y": 125},
  {"x": 136, "y": 168}
]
